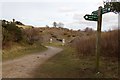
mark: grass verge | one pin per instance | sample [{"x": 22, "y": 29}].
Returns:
[
  {"x": 66, "y": 65},
  {"x": 21, "y": 50},
  {"x": 55, "y": 44}
]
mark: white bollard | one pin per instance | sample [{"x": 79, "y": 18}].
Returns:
[
  {"x": 63, "y": 42},
  {"x": 50, "y": 40}
]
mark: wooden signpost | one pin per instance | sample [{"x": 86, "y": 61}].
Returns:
[
  {"x": 97, "y": 16},
  {"x": 98, "y": 38}
]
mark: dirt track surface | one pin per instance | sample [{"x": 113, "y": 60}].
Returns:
[{"x": 24, "y": 66}]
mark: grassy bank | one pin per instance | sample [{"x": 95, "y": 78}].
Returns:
[
  {"x": 66, "y": 65},
  {"x": 19, "y": 50}
]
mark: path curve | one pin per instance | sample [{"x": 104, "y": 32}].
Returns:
[{"x": 24, "y": 66}]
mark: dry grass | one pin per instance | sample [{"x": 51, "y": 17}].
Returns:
[
  {"x": 24, "y": 26},
  {"x": 19, "y": 50},
  {"x": 66, "y": 65},
  {"x": 109, "y": 44}
]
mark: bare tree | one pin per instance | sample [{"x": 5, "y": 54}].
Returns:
[{"x": 54, "y": 24}]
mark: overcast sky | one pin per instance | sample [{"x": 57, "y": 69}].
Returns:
[{"x": 45, "y": 12}]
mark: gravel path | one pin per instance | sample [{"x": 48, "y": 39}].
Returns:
[{"x": 23, "y": 67}]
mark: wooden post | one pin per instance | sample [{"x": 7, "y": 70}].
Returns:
[
  {"x": 1, "y": 49},
  {"x": 98, "y": 38},
  {"x": 118, "y": 20}
]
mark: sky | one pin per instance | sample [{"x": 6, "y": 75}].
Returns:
[{"x": 40, "y": 13}]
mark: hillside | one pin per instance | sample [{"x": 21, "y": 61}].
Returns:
[
  {"x": 58, "y": 34},
  {"x": 24, "y": 32},
  {"x": 18, "y": 37}
]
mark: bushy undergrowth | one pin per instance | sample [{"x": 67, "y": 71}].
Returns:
[
  {"x": 109, "y": 44},
  {"x": 11, "y": 33}
]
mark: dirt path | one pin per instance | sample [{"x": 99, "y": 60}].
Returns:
[{"x": 23, "y": 67}]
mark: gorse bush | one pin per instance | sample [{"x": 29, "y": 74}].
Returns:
[
  {"x": 109, "y": 45},
  {"x": 10, "y": 33}
]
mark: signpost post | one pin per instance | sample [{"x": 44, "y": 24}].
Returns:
[
  {"x": 97, "y": 16},
  {"x": 98, "y": 38}
]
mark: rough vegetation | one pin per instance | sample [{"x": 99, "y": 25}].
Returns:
[
  {"x": 109, "y": 44},
  {"x": 14, "y": 34},
  {"x": 11, "y": 33},
  {"x": 66, "y": 65},
  {"x": 77, "y": 61},
  {"x": 17, "y": 41}
]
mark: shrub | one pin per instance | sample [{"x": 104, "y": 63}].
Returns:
[
  {"x": 19, "y": 23},
  {"x": 58, "y": 39},
  {"x": 31, "y": 35},
  {"x": 10, "y": 32},
  {"x": 54, "y": 36},
  {"x": 68, "y": 35}
]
